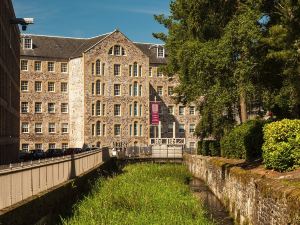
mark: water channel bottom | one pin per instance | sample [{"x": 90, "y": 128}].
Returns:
[{"x": 215, "y": 209}]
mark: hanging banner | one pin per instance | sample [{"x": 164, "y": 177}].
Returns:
[{"x": 154, "y": 113}]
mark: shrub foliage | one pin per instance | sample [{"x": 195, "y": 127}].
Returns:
[
  {"x": 281, "y": 149},
  {"x": 244, "y": 141},
  {"x": 209, "y": 148}
]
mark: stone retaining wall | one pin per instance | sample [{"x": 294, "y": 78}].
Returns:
[{"x": 250, "y": 198}]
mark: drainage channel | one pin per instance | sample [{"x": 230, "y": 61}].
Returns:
[{"x": 215, "y": 209}]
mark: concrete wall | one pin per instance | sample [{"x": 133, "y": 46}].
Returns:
[
  {"x": 250, "y": 198},
  {"x": 20, "y": 183}
]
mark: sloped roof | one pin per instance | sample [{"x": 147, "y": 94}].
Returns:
[{"x": 66, "y": 48}]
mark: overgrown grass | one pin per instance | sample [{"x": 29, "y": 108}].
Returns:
[{"x": 143, "y": 194}]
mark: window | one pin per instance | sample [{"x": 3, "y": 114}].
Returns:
[
  {"x": 150, "y": 71},
  {"x": 103, "y": 89},
  {"x": 51, "y": 86},
  {"x": 64, "y": 67},
  {"x": 50, "y": 66},
  {"x": 64, "y": 108},
  {"x": 103, "y": 69},
  {"x": 93, "y": 129},
  {"x": 117, "y": 50},
  {"x": 160, "y": 74},
  {"x": 141, "y": 110},
  {"x": 117, "y": 110},
  {"x": 98, "y": 108},
  {"x": 117, "y": 90},
  {"x": 181, "y": 110},
  {"x": 135, "y": 129},
  {"x": 24, "y": 107},
  {"x": 135, "y": 69},
  {"x": 93, "y": 68},
  {"x": 98, "y": 87},
  {"x": 52, "y": 145},
  {"x": 25, "y": 127},
  {"x": 24, "y": 85},
  {"x": 38, "y": 66},
  {"x": 98, "y": 67},
  {"x": 117, "y": 129},
  {"x": 192, "y": 110},
  {"x": 38, "y": 107},
  {"x": 140, "y": 90},
  {"x": 39, "y": 146},
  {"x": 135, "y": 89},
  {"x": 171, "y": 110},
  {"x": 123, "y": 51},
  {"x": 140, "y": 71},
  {"x": 38, "y": 128},
  {"x": 27, "y": 43},
  {"x": 98, "y": 128},
  {"x": 170, "y": 127},
  {"x": 130, "y": 90},
  {"x": 130, "y": 110},
  {"x": 103, "y": 109},
  {"x": 51, "y": 128},
  {"x": 160, "y": 91},
  {"x": 38, "y": 86},
  {"x": 51, "y": 107},
  {"x": 93, "y": 109},
  {"x": 135, "y": 109},
  {"x": 170, "y": 91},
  {"x": 93, "y": 88},
  {"x": 160, "y": 52},
  {"x": 103, "y": 129},
  {"x": 117, "y": 69},
  {"x": 64, "y": 128},
  {"x": 181, "y": 128},
  {"x": 141, "y": 130},
  {"x": 64, "y": 87},
  {"x": 64, "y": 145},
  {"x": 130, "y": 129},
  {"x": 24, "y": 65},
  {"x": 130, "y": 70},
  {"x": 25, "y": 147},
  {"x": 192, "y": 128}
]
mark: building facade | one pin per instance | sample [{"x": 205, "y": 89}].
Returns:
[
  {"x": 9, "y": 84},
  {"x": 96, "y": 91}
]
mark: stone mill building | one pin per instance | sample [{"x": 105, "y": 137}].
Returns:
[{"x": 92, "y": 92}]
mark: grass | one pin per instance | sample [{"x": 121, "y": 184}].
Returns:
[{"x": 143, "y": 194}]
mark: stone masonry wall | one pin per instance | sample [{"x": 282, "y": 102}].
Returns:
[{"x": 250, "y": 198}]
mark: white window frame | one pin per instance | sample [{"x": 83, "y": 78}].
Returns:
[
  {"x": 181, "y": 128},
  {"x": 24, "y": 65},
  {"x": 38, "y": 146},
  {"x": 117, "y": 69},
  {"x": 35, "y": 86},
  {"x": 24, "y": 105},
  {"x": 52, "y": 145},
  {"x": 50, "y": 88},
  {"x": 160, "y": 90},
  {"x": 117, "y": 127},
  {"x": 64, "y": 145},
  {"x": 39, "y": 67},
  {"x": 64, "y": 106},
  {"x": 192, "y": 112},
  {"x": 27, "y": 43},
  {"x": 64, "y": 87},
  {"x": 171, "y": 110},
  {"x": 181, "y": 113},
  {"x": 160, "y": 54},
  {"x": 24, "y": 86},
  {"x": 117, "y": 92},
  {"x": 25, "y": 147},
  {"x": 51, "y": 128},
  {"x": 25, "y": 128},
  {"x": 64, "y": 128},
  {"x": 117, "y": 110},
  {"x": 49, "y": 67},
  {"x": 38, "y": 126},
  {"x": 35, "y": 107},
  {"x": 192, "y": 128},
  {"x": 64, "y": 67},
  {"x": 51, "y": 107}
]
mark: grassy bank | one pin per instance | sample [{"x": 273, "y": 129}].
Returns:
[{"x": 143, "y": 194}]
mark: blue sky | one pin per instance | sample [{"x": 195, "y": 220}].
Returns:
[{"x": 89, "y": 18}]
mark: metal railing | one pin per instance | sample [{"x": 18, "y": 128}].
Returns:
[
  {"x": 23, "y": 180},
  {"x": 167, "y": 141}
]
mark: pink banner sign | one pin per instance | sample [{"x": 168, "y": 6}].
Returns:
[{"x": 155, "y": 113}]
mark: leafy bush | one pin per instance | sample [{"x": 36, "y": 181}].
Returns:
[
  {"x": 209, "y": 148},
  {"x": 281, "y": 149},
  {"x": 244, "y": 141}
]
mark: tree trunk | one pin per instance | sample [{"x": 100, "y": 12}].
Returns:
[{"x": 243, "y": 107}]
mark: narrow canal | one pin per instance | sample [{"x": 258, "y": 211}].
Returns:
[{"x": 146, "y": 194}]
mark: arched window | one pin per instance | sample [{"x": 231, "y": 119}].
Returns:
[
  {"x": 98, "y": 128},
  {"x": 93, "y": 109},
  {"x": 141, "y": 130},
  {"x": 135, "y": 129},
  {"x": 117, "y": 50},
  {"x": 98, "y": 67},
  {"x": 135, "y": 69},
  {"x": 93, "y": 88},
  {"x": 135, "y": 88},
  {"x": 98, "y": 87},
  {"x": 140, "y": 90},
  {"x": 135, "y": 109},
  {"x": 98, "y": 108},
  {"x": 141, "y": 110}
]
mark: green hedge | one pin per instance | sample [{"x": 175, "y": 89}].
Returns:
[
  {"x": 281, "y": 149},
  {"x": 244, "y": 141},
  {"x": 209, "y": 148}
]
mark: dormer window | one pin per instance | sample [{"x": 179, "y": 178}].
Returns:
[
  {"x": 27, "y": 43},
  {"x": 117, "y": 50},
  {"x": 160, "y": 52}
]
